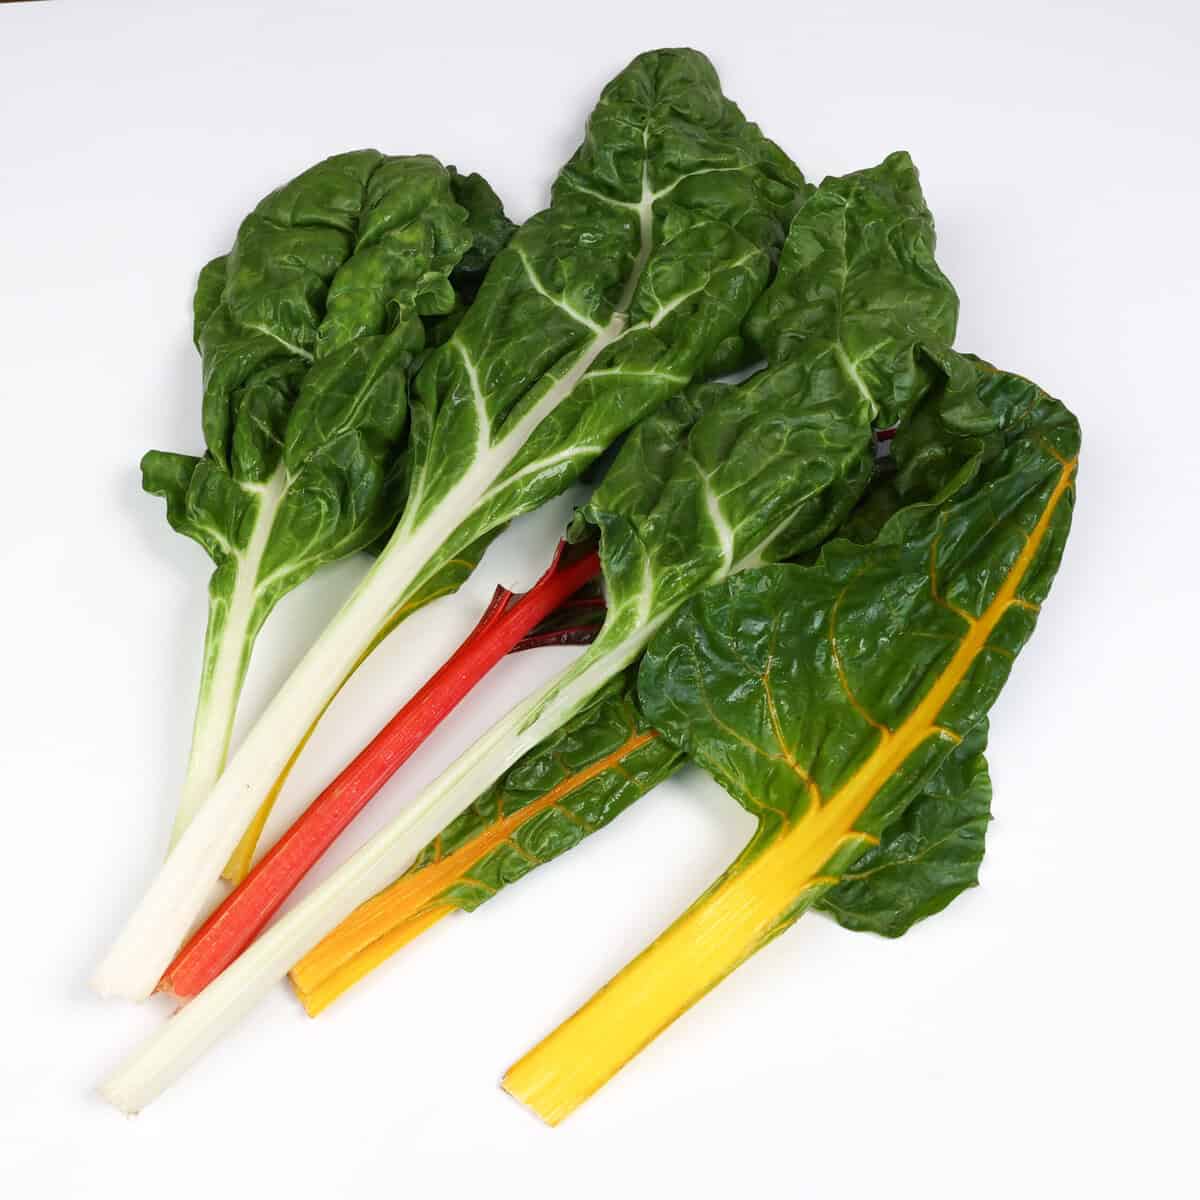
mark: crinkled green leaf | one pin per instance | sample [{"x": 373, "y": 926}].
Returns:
[
  {"x": 489, "y": 228},
  {"x": 825, "y": 698},
  {"x": 662, "y": 232},
  {"x": 490, "y": 231},
  {"x": 877, "y": 295},
  {"x": 929, "y": 855},
  {"x": 209, "y": 286},
  {"x": 843, "y": 687},
  {"x": 731, "y": 476},
  {"x": 574, "y": 783},
  {"x": 203, "y": 503},
  {"x": 710, "y": 483},
  {"x": 310, "y": 330}
]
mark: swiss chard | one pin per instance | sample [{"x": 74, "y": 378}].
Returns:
[
  {"x": 719, "y": 480},
  {"x": 309, "y": 330},
  {"x": 660, "y": 236},
  {"x": 857, "y": 295},
  {"x": 824, "y": 698}
]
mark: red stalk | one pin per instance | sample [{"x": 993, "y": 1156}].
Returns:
[{"x": 509, "y": 623}]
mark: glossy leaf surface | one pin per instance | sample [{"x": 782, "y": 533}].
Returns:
[
  {"x": 927, "y": 856},
  {"x": 889, "y": 652},
  {"x": 877, "y": 295},
  {"x": 663, "y": 230}
]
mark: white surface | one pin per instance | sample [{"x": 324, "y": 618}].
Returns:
[{"x": 1037, "y": 1039}]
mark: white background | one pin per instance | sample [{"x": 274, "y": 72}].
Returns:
[{"x": 1037, "y": 1039}]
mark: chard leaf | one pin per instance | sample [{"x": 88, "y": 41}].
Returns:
[
  {"x": 310, "y": 329},
  {"x": 489, "y": 228},
  {"x": 929, "y": 855},
  {"x": 203, "y": 502},
  {"x": 866, "y": 242},
  {"x": 209, "y": 287},
  {"x": 727, "y": 477},
  {"x": 572, "y": 784},
  {"x": 824, "y": 698},
  {"x": 662, "y": 232}
]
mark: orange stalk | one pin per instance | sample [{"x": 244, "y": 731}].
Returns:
[{"x": 390, "y": 920}]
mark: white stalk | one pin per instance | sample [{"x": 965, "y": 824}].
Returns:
[
  {"x": 228, "y": 640},
  {"x": 202, "y": 1021}
]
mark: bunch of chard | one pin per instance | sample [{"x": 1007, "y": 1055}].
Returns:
[{"x": 814, "y": 611}]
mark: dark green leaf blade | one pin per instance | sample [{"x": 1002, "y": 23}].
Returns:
[
  {"x": 489, "y": 228},
  {"x": 574, "y": 783},
  {"x": 788, "y": 682},
  {"x": 203, "y": 503},
  {"x": 209, "y": 286},
  {"x": 876, "y": 295},
  {"x": 661, "y": 234},
  {"x": 928, "y": 856}
]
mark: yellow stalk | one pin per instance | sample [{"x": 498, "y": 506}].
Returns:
[{"x": 754, "y": 901}]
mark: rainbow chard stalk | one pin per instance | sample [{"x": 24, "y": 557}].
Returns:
[
  {"x": 719, "y": 480},
  {"x": 825, "y": 698},
  {"x": 310, "y": 329},
  {"x": 858, "y": 292},
  {"x": 660, "y": 236}
]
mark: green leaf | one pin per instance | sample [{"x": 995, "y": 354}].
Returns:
[
  {"x": 577, "y": 781},
  {"x": 927, "y": 856},
  {"x": 841, "y": 688},
  {"x": 877, "y": 295},
  {"x": 825, "y": 698},
  {"x": 203, "y": 502},
  {"x": 719, "y": 478},
  {"x": 728, "y": 477},
  {"x": 351, "y": 252},
  {"x": 310, "y": 330},
  {"x": 662, "y": 231},
  {"x": 490, "y": 231},
  {"x": 209, "y": 287}
]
